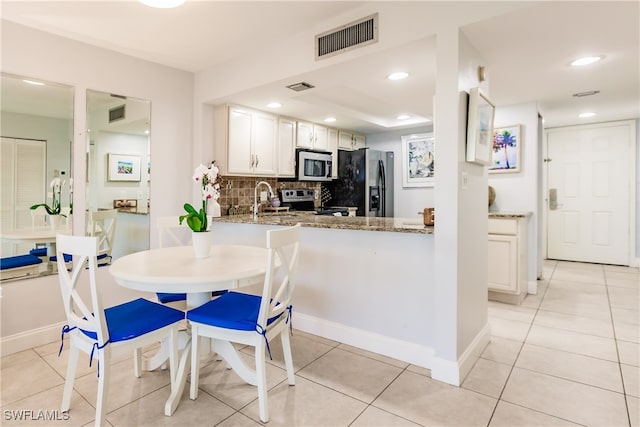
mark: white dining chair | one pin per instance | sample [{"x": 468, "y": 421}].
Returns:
[
  {"x": 98, "y": 331},
  {"x": 102, "y": 225},
  {"x": 253, "y": 319}
]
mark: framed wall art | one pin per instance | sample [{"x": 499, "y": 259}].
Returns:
[
  {"x": 123, "y": 167},
  {"x": 418, "y": 160},
  {"x": 479, "y": 128},
  {"x": 506, "y": 149}
]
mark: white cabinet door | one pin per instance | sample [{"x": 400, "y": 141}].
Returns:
[
  {"x": 286, "y": 147},
  {"x": 320, "y": 138},
  {"x": 333, "y": 148},
  {"x": 305, "y": 135},
  {"x": 358, "y": 141},
  {"x": 503, "y": 263},
  {"x": 265, "y": 133},
  {"x": 345, "y": 140},
  {"x": 240, "y": 155}
]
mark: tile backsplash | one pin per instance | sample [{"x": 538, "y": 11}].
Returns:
[{"x": 237, "y": 191}]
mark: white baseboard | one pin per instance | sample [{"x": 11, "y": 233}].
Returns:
[
  {"x": 452, "y": 372},
  {"x": 32, "y": 338},
  {"x": 409, "y": 352}
]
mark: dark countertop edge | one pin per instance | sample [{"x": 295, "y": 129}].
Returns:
[
  {"x": 350, "y": 225},
  {"x": 510, "y": 214}
]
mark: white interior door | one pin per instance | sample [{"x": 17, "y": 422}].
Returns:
[{"x": 589, "y": 193}]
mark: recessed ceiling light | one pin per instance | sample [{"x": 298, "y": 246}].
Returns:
[
  {"x": 274, "y": 105},
  {"x": 398, "y": 76},
  {"x": 585, "y": 61},
  {"x": 146, "y": 132},
  {"x": 32, "y": 82},
  {"x": 586, "y": 115},
  {"x": 403, "y": 117},
  {"x": 162, "y": 4},
  {"x": 330, "y": 119}
]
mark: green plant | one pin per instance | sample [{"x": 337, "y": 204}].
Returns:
[
  {"x": 207, "y": 177},
  {"x": 54, "y": 209}
]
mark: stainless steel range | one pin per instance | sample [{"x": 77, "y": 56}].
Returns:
[{"x": 303, "y": 199}]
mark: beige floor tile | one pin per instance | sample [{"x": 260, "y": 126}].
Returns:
[
  {"x": 239, "y": 420},
  {"x": 509, "y": 415},
  {"x": 623, "y": 279},
  {"x": 502, "y": 350},
  {"x": 349, "y": 373},
  {"x": 487, "y": 377},
  {"x": 51, "y": 348},
  {"x": 631, "y": 376},
  {"x": 24, "y": 374},
  {"x": 625, "y": 315},
  {"x": 307, "y": 404},
  {"x": 433, "y": 403},
  {"x": 591, "y": 276},
  {"x": 627, "y": 298},
  {"x": 516, "y": 331},
  {"x": 572, "y": 322},
  {"x": 31, "y": 410},
  {"x": 379, "y": 357},
  {"x": 533, "y": 301},
  {"x": 562, "y": 299},
  {"x": 510, "y": 312},
  {"x": 419, "y": 370},
  {"x": 317, "y": 338},
  {"x": 570, "y": 366},
  {"x": 374, "y": 417},
  {"x": 149, "y": 411},
  {"x": 124, "y": 387},
  {"x": 574, "y": 342},
  {"x": 225, "y": 385},
  {"x": 621, "y": 268},
  {"x": 569, "y": 400},
  {"x": 627, "y": 331},
  {"x": 633, "y": 403},
  {"x": 629, "y": 353},
  {"x": 583, "y": 289},
  {"x": 304, "y": 350}
]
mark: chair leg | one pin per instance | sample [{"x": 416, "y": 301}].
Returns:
[
  {"x": 288, "y": 359},
  {"x": 72, "y": 365},
  {"x": 137, "y": 362},
  {"x": 103, "y": 385},
  {"x": 261, "y": 377},
  {"x": 173, "y": 357},
  {"x": 195, "y": 363}
]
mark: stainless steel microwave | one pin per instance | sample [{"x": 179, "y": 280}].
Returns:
[{"x": 314, "y": 165}]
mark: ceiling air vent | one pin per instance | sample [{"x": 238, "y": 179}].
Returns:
[
  {"x": 587, "y": 93},
  {"x": 353, "y": 35},
  {"x": 116, "y": 113},
  {"x": 300, "y": 86}
]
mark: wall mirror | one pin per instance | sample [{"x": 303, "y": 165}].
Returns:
[
  {"x": 119, "y": 167},
  {"x": 37, "y": 134}
]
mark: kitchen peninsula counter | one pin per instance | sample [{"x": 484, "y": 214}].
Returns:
[{"x": 310, "y": 219}]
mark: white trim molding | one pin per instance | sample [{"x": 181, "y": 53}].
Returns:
[{"x": 31, "y": 338}]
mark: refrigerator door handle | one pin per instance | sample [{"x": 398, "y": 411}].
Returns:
[{"x": 383, "y": 185}]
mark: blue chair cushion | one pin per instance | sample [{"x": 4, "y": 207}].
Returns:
[
  {"x": 233, "y": 310},
  {"x": 18, "y": 261},
  {"x": 164, "y": 297},
  {"x": 38, "y": 252},
  {"x": 135, "y": 318},
  {"x": 67, "y": 258}
]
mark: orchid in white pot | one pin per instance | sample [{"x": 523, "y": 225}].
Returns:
[
  {"x": 54, "y": 208},
  {"x": 207, "y": 178}
]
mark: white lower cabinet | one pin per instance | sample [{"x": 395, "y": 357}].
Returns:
[{"x": 507, "y": 274}]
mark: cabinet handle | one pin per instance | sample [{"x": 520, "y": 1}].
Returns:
[
  {"x": 257, "y": 160},
  {"x": 251, "y": 161}
]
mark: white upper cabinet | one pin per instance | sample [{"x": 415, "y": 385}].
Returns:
[
  {"x": 312, "y": 136},
  {"x": 246, "y": 141},
  {"x": 350, "y": 141},
  {"x": 333, "y": 148},
  {"x": 286, "y": 147}
]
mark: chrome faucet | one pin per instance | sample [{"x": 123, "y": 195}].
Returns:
[{"x": 255, "y": 197}]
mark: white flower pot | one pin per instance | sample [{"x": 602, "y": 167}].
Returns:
[
  {"x": 54, "y": 221},
  {"x": 201, "y": 243}
]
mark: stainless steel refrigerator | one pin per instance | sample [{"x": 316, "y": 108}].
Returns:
[{"x": 365, "y": 180}]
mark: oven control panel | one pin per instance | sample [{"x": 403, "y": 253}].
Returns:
[{"x": 297, "y": 195}]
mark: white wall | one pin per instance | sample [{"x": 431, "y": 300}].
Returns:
[
  {"x": 518, "y": 192},
  {"x": 407, "y": 201}
]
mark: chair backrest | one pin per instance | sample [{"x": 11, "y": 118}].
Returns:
[
  {"x": 102, "y": 224},
  {"x": 172, "y": 233},
  {"x": 39, "y": 217},
  {"x": 86, "y": 315},
  {"x": 282, "y": 266}
]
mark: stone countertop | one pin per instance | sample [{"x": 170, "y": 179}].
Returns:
[
  {"x": 310, "y": 219},
  {"x": 510, "y": 214}
]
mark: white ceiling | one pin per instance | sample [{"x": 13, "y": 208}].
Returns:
[{"x": 526, "y": 50}]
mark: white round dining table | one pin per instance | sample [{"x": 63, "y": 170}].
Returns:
[
  {"x": 45, "y": 235},
  {"x": 176, "y": 270}
]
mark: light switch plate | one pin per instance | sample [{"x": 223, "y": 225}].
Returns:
[{"x": 464, "y": 181}]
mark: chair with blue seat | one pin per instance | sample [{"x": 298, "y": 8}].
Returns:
[
  {"x": 102, "y": 224},
  {"x": 99, "y": 331},
  {"x": 253, "y": 319},
  {"x": 19, "y": 265}
]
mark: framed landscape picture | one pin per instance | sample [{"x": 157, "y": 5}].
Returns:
[
  {"x": 506, "y": 149},
  {"x": 123, "y": 167},
  {"x": 479, "y": 128},
  {"x": 418, "y": 160}
]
